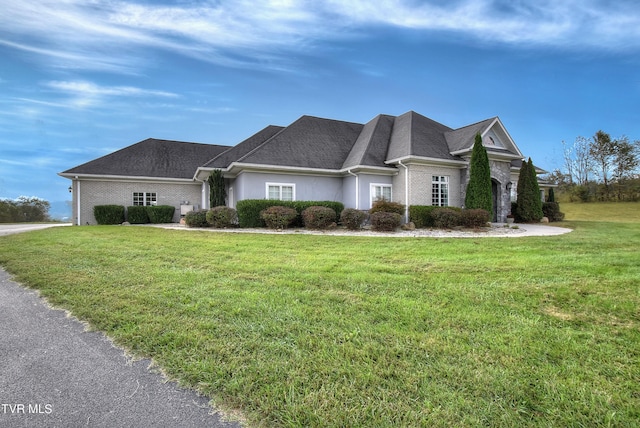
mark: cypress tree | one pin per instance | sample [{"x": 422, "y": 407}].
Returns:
[
  {"x": 479, "y": 194},
  {"x": 552, "y": 195},
  {"x": 217, "y": 193},
  {"x": 529, "y": 203}
]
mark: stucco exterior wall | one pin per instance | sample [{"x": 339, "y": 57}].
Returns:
[
  {"x": 106, "y": 192},
  {"x": 252, "y": 185}
]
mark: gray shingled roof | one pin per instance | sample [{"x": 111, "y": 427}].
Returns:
[
  {"x": 370, "y": 149},
  {"x": 463, "y": 138},
  {"x": 226, "y": 158},
  {"x": 309, "y": 142},
  {"x": 417, "y": 135},
  {"x": 152, "y": 158}
]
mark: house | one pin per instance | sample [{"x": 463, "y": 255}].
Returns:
[{"x": 409, "y": 159}]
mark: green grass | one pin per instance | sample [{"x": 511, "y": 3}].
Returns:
[
  {"x": 302, "y": 330},
  {"x": 625, "y": 212}
]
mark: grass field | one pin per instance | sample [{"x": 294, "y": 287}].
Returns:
[{"x": 302, "y": 330}]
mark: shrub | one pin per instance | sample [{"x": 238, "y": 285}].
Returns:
[
  {"x": 161, "y": 213},
  {"x": 474, "y": 218},
  {"x": 317, "y": 217},
  {"x": 249, "y": 210},
  {"x": 278, "y": 217},
  {"x": 137, "y": 214},
  {"x": 421, "y": 215},
  {"x": 222, "y": 217},
  {"x": 446, "y": 218},
  {"x": 529, "y": 207},
  {"x": 479, "y": 194},
  {"x": 387, "y": 207},
  {"x": 109, "y": 214},
  {"x": 196, "y": 218},
  {"x": 383, "y": 221},
  {"x": 352, "y": 218},
  {"x": 551, "y": 211}
]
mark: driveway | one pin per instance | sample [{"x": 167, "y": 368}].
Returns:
[
  {"x": 53, "y": 373},
  {"x": 10, "y": 229}
]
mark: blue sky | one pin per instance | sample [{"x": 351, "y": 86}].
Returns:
[{"x": 80, "y": 79}]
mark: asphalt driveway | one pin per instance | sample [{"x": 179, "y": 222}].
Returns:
[{"x": 53, "y": 373}]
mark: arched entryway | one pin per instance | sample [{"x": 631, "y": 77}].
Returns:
[{"x": 495, "y": 190}]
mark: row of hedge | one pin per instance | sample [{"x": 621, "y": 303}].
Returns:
[
  {"x": 249, "y": 210},
  {"x": 138, "y": 214}
]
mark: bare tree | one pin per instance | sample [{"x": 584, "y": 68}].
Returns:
[
  {"x": 577, "y": 161},
  {"x": 602, "y": 150}
]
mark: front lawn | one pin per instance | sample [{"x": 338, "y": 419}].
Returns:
[{"x": 303, "y": 330}]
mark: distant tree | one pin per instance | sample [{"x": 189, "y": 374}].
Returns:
[
  {"x": 479, "y": 194},
  {"x": 529, "y": 203},
  {"x": 24, "y": 209},
  {"x": 625, "y": 158},
  {"x": 217, "y": 192},
  {"x": 602, "y": 151},
  {"x": 577, "y": 161}
]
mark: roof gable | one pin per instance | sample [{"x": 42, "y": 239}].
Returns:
[
  {"x": 370, "y": 149},
  {"x": 495, "y": 138},
  {"x": 151, "y": 158},
  {"x": 417, "y": 135}
]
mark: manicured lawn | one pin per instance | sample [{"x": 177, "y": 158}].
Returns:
[{"x": 302, "y": 330}]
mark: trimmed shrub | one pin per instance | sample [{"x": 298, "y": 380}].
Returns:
[
  {"x": 387, "y": 207},
  {"x": 249, "y": 210},
  {"x": 222, "y": 217},
  {"x": 352, "y": 218},
  {"x": 161, "y": 213},
  {"x": 474, "y": 218},
  {"x": 196, "y": 218},
  {"x": 317, "y": 217},
  {"x": 137, "y": 214},
  {"x": 529, "y": 207},
  {"x": 383, "y": 221},
  {"x": 421, "y": 215},
  {"x": 479, "y": 194},
  {"x": 278, "y": 217},
  {"x": 109, "y": 214},
  {"x": 551, "y": 211},
  {"x": 446, "y": 218}
]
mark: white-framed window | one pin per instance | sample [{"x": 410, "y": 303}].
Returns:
[
  {"x": 380, "y": 192},
  {"x": 145, "y": 198},
  {"x": 440, "y": 190},
  {"x": 281, "y": 191}
]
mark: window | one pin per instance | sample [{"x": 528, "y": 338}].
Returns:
[
  {"x": 142, "y": 198},
  {"x": 380, "y": 192},
  {"x": 281, "y": 191},
  {"x": 440, "y": 191}
]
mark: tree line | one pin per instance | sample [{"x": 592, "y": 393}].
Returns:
[
  {"x": 24, "y": 209},
  {"x": 600, "y": 168}
]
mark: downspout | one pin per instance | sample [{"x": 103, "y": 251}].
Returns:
[
  {"x": 78, "y": 200},
  {"x": 406, "y": 191},
  {"x": 203, "y": 198},
  {"x": 357, "y": 189}
]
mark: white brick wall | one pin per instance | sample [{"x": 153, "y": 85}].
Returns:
[
  {"x": 105, "y": 192},
  {"x": 420, "y": 177}
]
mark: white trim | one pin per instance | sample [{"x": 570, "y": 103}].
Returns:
[
  {"x": 97, "y": 177},
  {"x": 78, "y": 200},
  {"x": 406, "y": 191},
  {"x": 447, "y": 180},
  {"x": 372, "y": 191},
  {"x": 357, "y": 188},
  {"x": 281, "y": 185}
]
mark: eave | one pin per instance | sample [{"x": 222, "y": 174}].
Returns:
[
  {"x": 131, "y": 178},
  {"x": 420, "y": 160}
]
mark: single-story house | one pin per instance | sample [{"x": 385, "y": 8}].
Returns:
[{"x": 409, "y": 159}]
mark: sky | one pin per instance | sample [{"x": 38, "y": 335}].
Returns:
[{"x": 82, "y": 78}]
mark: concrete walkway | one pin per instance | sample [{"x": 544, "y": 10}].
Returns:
[{"x": 55, "y": 374}]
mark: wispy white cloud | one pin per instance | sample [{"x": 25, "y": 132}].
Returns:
[
  {"x": 117, "y": 35},
  {"x": 85, "y": 94}
]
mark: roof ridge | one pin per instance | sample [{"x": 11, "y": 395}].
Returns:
[{"x": 474, "y": 124}]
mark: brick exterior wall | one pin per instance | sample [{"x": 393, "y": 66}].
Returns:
[
  {"x": 501, "y": 175},
  {"x": 420, "y": 178},
  {"x": 113, "y": 192}
]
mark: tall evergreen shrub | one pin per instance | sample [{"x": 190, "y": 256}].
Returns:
[
  {"x": 217, "y": 192},
  {"x": 529, "y": 203},
  {"x": 479, "y": 195}
]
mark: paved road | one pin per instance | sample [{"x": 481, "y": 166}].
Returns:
[
  {"x": 10, "y": 229},
  {"x": 55, "y": 374}
]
